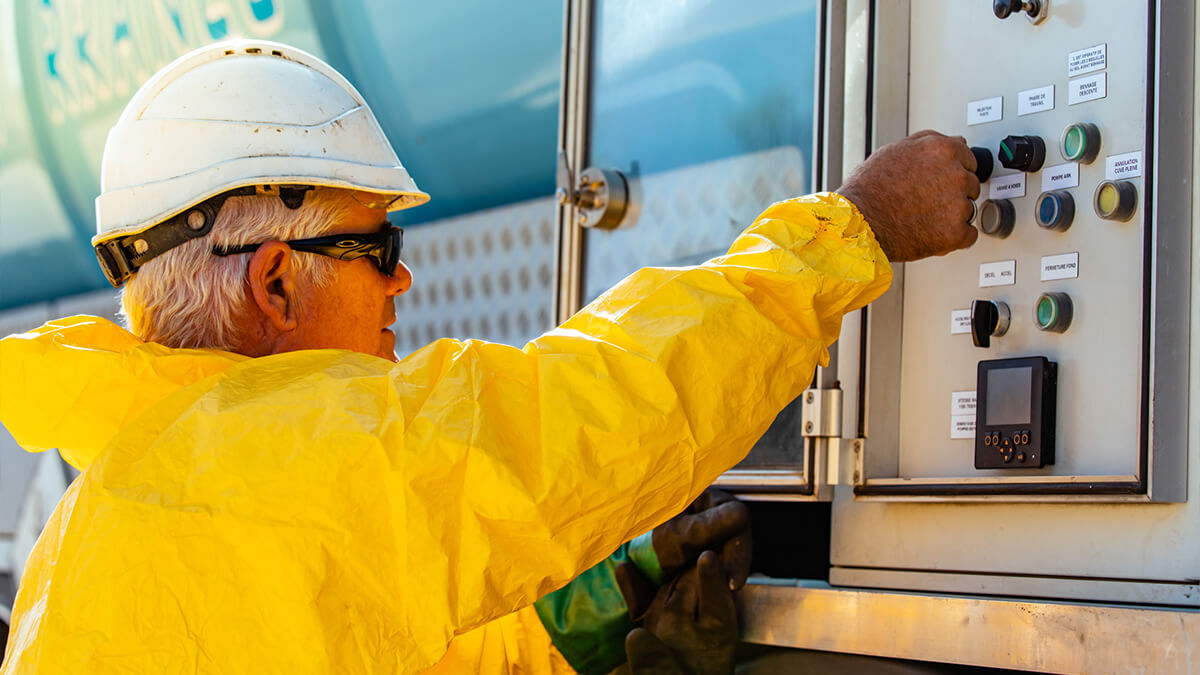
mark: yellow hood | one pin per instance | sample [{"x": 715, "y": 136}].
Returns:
[{"x": 74, "y": 383}]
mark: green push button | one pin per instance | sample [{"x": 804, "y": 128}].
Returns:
[
  {"x": 1053, "y": 311},
  {"x": 1080, "y": 142}
]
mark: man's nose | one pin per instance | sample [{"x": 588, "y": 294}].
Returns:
[{"x": 400, "y": 280}]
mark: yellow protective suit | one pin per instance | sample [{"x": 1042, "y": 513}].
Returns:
[{"x": 327, "y": 511}]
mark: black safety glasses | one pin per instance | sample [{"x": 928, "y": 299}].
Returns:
[{"x": 383, "y": 246}]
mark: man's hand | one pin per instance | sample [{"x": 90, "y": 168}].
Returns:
[
  {"x": 915, "y": 193},
  {"x": 691, "y": 627},
  {"x": 715, "y": 521}
]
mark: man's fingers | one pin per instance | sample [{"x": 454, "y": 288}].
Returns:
[
  {"x": 736, "y": 555},
  {"x": 969, "y": 237},
  {"x": 964, "y": 154},
  {"x": 923, "y": 133},
  {"x": 714, "y": 604},
  {"x": 637, "y": 590},
  {"x": 648, "y": 654},
  {"x": 973, "y": 186}
]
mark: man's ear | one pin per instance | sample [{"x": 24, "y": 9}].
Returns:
[{"x": 273, "y": 285}]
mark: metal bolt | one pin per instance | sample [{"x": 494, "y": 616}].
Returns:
[
  {"x": 808, "y": 427},
  {"x": 809, "y": 398},
  {"x": 196, "y": 220}
]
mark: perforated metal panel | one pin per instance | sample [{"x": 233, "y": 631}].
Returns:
[
  {"x": 687, "y": 215},
  {"x": 488, "y": 275}
]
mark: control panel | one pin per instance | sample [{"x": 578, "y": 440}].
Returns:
[
  {"x": 1026, "y": 404},
  {"x": 1057, "y": 102}
]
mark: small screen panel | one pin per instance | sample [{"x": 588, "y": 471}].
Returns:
[{"x": 1009, "y": 393}]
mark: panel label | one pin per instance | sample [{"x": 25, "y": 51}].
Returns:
[
  {"x": 1008, "y": 186},
  {"x": 1002, "y": 273},
  {"x": 1087, "y": 60},
  {"x": 1062, "y": 266},
  {"x": 985, "y": 110},
  {"x": 960, "y": 321},
  {"x": 1128, "y": 165},
  {"x": 1060, "y": 177},
  {"x": 1087, "y": 88},
  {"x": 962, "y": 402},
  {"x": 1035, "y": 100},
  {"x": 962, "y": 426}
]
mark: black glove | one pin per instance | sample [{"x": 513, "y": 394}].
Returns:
[
  {"x": 691, "y": 626},
  {"x": 716, "y": 521}
]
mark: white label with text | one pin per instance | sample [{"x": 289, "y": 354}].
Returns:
[
  {"x": 1128, "y": 165},
  {"x": 1002, "y": 273},
  {"x": 962, "y": 402},
  {"x": 1035, "y": 100},
  {"x": 1060, "y": 177},
  {"x": 985, "y": 110},
  {"x": 1062, "y": 266},
  {"x": 1008, "y": 186},
  {"x": 960, "y": 321},
  {"x": 1087, "y": 60},
  {"x": 962, "y": 426},
  {"x": 1088, "y": 88}
]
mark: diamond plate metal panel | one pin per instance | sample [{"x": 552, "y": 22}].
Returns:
[
  {"x": 688, "y": 215},
  {"x": 487, "y": 275}
]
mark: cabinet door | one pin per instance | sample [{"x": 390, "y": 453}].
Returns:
[{"x": 711, "y": 112}]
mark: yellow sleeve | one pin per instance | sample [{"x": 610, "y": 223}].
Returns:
[
  {"x": 324, "y": 511},
  {"x": 614, "y": 422}
]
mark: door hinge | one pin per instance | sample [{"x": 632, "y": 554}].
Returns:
[{"x": 821, "y": 413}]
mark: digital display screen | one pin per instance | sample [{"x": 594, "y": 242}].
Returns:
[{"x": 1009, "y": 392}]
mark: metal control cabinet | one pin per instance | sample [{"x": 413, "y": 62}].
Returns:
[{"x": 1110, "y": 518}]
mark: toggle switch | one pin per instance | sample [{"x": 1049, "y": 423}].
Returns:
[
  {"x": 983, "y": 163},
  {"x": 1055, "y": 210},
  {"x": 1080, "y": 142},
  {"x": 989, "y": 318},
  {"x": 996, "y": 218},
  {"x": 1116, "y": 200},
  {"x": 1023, "y": 153},
  {"x": 1053, "y": 311},
  {"x": 1035, "y": 10}
]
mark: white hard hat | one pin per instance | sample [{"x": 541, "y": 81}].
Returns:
[{"x": 236, "y": 117}]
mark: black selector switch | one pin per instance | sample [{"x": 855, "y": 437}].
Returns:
[
  {"x": 989, "y": 318},
  {"x": 983, "y": 163},
  {"x": 996, "y": 218},
  {"x": 1035, "y": 9},
  {"x": 1023, "y": 153}
]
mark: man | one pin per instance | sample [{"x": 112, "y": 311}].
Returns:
[{"x": 263, "y": 489}]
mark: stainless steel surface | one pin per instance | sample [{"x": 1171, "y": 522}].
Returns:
[
  {"x": 572, "y": 138},
  {"x": 821, "y": 413},
  {"x": 1125, "y": 591},
  {"x": 1026, "y": 635}
]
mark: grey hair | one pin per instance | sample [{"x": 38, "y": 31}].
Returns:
[{"x": 190, "y": 298}]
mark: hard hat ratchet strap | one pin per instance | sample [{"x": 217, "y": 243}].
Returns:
[{"x": 120, "y": 258}]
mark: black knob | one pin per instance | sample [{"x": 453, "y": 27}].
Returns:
[
  {"x": 1004, "y": 8},
  {"x": 983, "y": 163},
  {"x": 1023, "y": 153},
  {"x": 989, "y": 318},
  {"x": 996, "y": 218}
]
